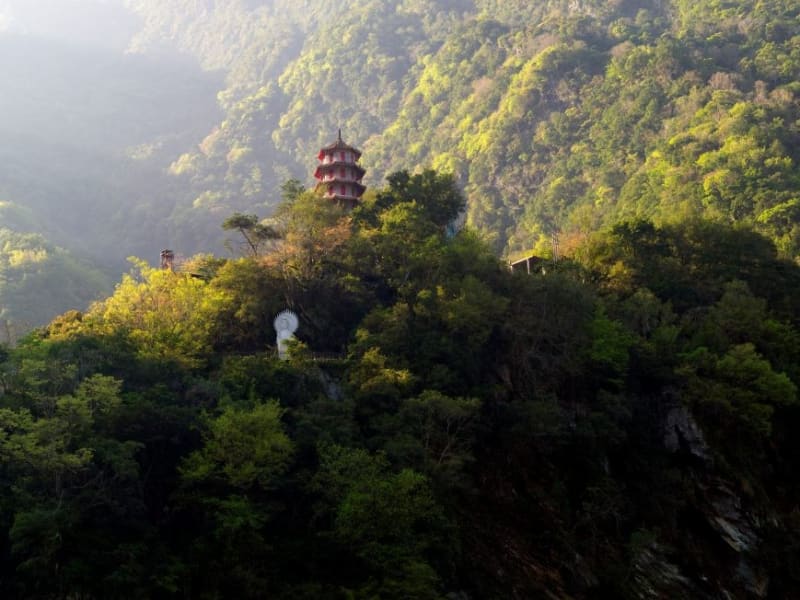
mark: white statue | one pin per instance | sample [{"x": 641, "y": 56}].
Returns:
[{"x": 286, "y": 324}]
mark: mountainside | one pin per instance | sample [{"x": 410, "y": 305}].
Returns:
[
  {"x": 618, "y": 420},
  {"x": 620, "y": 426},
  {"x": 85, "y": 133},
  {"x": 554, "y": 116}
]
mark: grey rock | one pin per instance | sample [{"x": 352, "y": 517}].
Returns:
[
  {"x": 755, "y": 582},
  {"x": 655, "y": 576},
  {"x": 681, "y": 432},
  {"x": 726, "y": 515}
]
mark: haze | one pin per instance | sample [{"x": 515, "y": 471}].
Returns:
[
  {"x": 95, "y": 23},
  {"x": 76, "y": 107}
]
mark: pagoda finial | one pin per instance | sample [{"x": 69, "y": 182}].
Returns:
[{"x": 340, "y": 134}]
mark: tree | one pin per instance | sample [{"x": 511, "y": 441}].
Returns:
[
  {"x": 436, "y": 193},
  {"x": 229, "y": 484},
  {"x": 390, "y": 522},
  {"x": 168, "y": 316},
  {"x": 255, "y": 234}
]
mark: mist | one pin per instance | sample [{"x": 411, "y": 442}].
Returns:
[
  {"x": 98, "y": 23},
  {"x": 72, "y": 99},
  {"x": 87, "y": 132}
]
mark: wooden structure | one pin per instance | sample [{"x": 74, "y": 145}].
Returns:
[
  {"x": 339, "y": 174},
  {"x": 168, "y": 260},
  {"x": 529, "y": 264}
]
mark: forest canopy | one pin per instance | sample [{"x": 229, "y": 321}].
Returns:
[
  {"x": 554, "y": 117},
  {"x": 616, "y": 421},
  {"x": 441, "y": 426}
]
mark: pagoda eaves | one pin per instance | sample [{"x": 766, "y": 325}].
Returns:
[{"x": 339, "y": 173}]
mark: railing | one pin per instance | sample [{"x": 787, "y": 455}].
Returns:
[
  {"x": 328, "y": 356},
  {"x": 346, "y": 178}
]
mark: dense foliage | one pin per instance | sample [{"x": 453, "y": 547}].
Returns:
[
  {"x": 616, "y": 426},
  {"x": 554, "y": 116},
  {"x": 619, "y": 423},
  {"x": 85, "y": 134},
  {"x": 30, "y": 269}
]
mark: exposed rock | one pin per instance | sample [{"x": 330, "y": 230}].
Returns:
[
  {"x": 583, "y": 573},
  {"x": 656, "y": 577},
  {"x": 682, "y": 433},
  {"x": 333, "y": 390},
  {"x": 737, "y": 538},
  {"x": 727, "y": 517}
]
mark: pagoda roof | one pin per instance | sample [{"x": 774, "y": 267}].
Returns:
[
  {"x": 329, "y": 185},
  {"x": 322, "y": 169},
  {"x": 338, "y": 145}
]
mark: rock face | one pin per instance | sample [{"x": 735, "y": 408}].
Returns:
[
  {"x": 694, "y": 530},
  {"x": 332, "y": 387},
  {"x": 683, "y": 434},
  {"x": 656, "y": 576},
  {"x": 729, "y": 524},
  {"x": 727, "y": 517}
]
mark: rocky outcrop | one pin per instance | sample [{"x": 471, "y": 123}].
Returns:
[
  {"x": 683, "y": 434},
  {"x": 730, "y": 523},
  {"x": 656, "y": 576},
  {"x": 726, "y": 516}
]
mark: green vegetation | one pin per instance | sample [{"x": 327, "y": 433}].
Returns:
[
  {"x": 30, "y": 270},
  {"x": 553, "y": 116},
  {"x": 479, "y": 432},
  {"x": 620, "y": 423}
]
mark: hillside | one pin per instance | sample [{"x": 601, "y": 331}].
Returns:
[
  {"x": 618, "y": 423},
  {"x": 621, "y": 426},
  {"x": 85, "y": 133},
  {"x": 553, "y": 116}
]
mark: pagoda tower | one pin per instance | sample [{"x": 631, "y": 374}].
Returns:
[{"x": 339, "y": 174}]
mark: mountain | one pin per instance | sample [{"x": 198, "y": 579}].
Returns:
[
  {"x": 618, "y": 426},
  {"x": 616, "y": 421},
  {"x": 85, "y": 130},
  {"x": 30, "y": 269},
  {"x": 555, "y": 117}
]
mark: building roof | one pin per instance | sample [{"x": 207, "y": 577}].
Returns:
[
  {"x": 329, "y": 185},
  {"x": 338, "y": 145},
  {"x": 322, "y": 169}
]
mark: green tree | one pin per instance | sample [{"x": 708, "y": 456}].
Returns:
[
  {"x": 168, "y": 316},
  {"x": 244, "y": 448},
  {"x": 389, "y": 521},
  {"x": 254, "y": 233},
  {"x": 737, "y": 388}
]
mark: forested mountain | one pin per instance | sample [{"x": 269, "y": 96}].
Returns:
[
  {"x": 554, "y": 116},
  {"x": 618, "y": 423},
  {"x": 84, "y": 133},
  {"x": 30, "y": 270},
  {"x": 618, "y": 426}
]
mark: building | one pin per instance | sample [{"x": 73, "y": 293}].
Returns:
[
  {"x": 168, "y": 260},
  {"x": 529, "y": 264},
  {"x": 339, "y": 174}
]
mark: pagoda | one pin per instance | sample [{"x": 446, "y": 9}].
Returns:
[{"x": 339, "y": 174}]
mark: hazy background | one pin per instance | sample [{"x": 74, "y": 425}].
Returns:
[
  {"x": 129, "y": 126},
  {"x": 87, "y": 130}
]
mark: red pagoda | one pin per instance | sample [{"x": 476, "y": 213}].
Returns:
[{"x": 339, "y": 174}]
